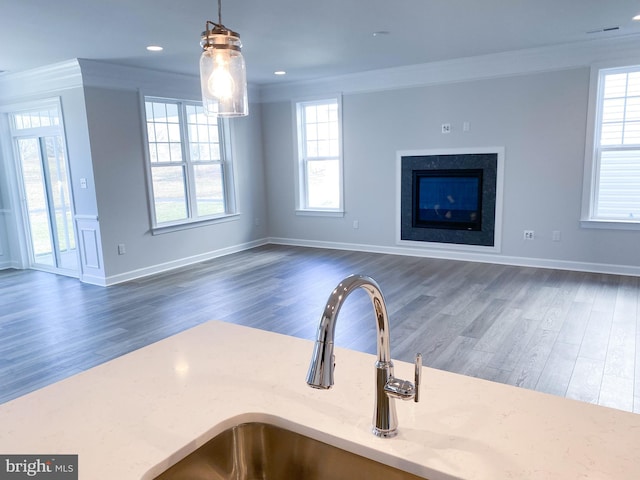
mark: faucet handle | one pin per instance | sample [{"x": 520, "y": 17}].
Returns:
[
  {"x": 404, "y": 389},
  {"x": 418, "y": 377}
]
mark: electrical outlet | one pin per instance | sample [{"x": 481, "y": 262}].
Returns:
[
  {"x": 121, "y": 249},
  {"x": 356, "y": 224},
  {"x": 529, "y": 235},
  {"x": 555, "y": 235},
  {"x": 446, "y": 128}
]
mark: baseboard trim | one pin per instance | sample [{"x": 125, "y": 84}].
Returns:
[
  {"x": 467, "y": 256},
  {"x": 183, "y": 262},
  {"x": 10, "y": 264}
]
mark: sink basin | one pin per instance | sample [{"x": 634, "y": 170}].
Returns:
[{"x": 252, "y": 451}]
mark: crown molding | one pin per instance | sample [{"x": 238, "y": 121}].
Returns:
[
  {"x": 40, "y": 81},
  {"x": 520, "y": 62},
  {"x": 151, "y": 82},
  {"x": 81, "y": 72}
]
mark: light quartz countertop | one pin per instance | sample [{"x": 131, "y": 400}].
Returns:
[{"x": 132, "y": 417}]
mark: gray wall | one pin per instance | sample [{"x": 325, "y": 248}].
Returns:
[
  {"x": 540, "y": 120},
  {"x": 117, "y": 149}
]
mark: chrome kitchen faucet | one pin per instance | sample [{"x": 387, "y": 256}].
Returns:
[{"x": 320, "y": 375}]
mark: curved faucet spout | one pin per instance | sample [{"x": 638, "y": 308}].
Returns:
[{"x": 322, "y": 364}]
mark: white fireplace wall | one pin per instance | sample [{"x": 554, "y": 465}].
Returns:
[{"x": 540, "y": 119}]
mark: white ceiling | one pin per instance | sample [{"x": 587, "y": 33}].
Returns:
[{"x": 309, "y": 39}]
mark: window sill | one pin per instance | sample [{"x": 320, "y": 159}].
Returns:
[
  {"x": 159, "y": 230},
  {"x": 320, "y": 213},
  {"x": 611, "y": 224}
]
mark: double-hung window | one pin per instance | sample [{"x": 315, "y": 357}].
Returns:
[
  {"x": 319, "y": 170},
  {"x": 612, "y": 185},
  {"x": 188, "y": 163}
]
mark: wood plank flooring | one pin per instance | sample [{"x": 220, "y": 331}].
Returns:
[{"x": 571, "y": 334}]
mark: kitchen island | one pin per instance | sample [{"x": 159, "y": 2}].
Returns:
[{"x": 134, "y": 416}]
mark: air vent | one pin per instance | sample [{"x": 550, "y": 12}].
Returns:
[{"x": 603, "y": 30}]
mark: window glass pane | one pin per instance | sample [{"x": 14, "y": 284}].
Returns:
[
  {"x": 323, "y": 113},
  {"x": 45, "y": 121},
  {"x": 172, "y": 113},
  {"x": 323, "y": 148},
  {"x": 169, "y": 194},
  {"x": 323, "y": 184},
  {"x": 162, "y": 132},
  {"x": 209, "y": 189},
  {"x": 619, "y": 186},
  {"x": 615, "y": 85},
  {"x": 611, "y": 134},
  {"x": 36, "y": 118},
  {"x": 151, "y": 132},
  {"x": 632, "y": 133},
  {"x": 148, "y": 110},
  {"x": 204, "y": 152},
  {"x": 312, "y": 131},
  {"x": 176, "y": 152},
  {"x": 159, "y": 112},
  {"x": 633, "y": 84},
  {"x": 153, "y": 153},
  {"x": 632, "y": 109},
  {"x": 323, "y": 131},
  {"x": 310, "y": 114},
  {"x": 312, "y": 149},
  {"x": 613, "y": 110},
  {"x": 174, "y": 132},
  {"x": 203, "y": 133},
  {"x": 164, "y": 154}
]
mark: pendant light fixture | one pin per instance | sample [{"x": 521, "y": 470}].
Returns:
[{"x": 223, "y": 75}]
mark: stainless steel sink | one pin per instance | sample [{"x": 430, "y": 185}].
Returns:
[{"x": 253, "y": 451}]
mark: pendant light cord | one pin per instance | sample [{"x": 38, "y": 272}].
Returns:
[{"x": 219, "y": 12}]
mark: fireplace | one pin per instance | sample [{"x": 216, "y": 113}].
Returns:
[{"x": 450, "y": 198}]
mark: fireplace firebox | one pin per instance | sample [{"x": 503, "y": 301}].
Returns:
[{"x": 450, "y": 199}]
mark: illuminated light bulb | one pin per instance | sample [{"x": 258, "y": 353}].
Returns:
[{"x": 220, "y": 83}]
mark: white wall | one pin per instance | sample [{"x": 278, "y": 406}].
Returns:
[{"x": 540, "y": 120}]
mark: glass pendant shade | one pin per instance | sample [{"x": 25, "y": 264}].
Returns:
[{"x": 223, "y": 77}]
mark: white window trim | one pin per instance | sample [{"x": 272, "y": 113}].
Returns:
[
  {"x": 589, "y": 188},
  {"x": 300, "y": 179},
  {"x": 226, "y": 152}
]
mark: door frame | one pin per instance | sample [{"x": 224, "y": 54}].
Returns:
[{"x": 18, "y": 194}]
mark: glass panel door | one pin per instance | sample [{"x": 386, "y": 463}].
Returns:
[{"x": 48, "y": 203}]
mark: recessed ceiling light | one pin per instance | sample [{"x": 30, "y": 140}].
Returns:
[
  {"x": 636, "y": 18},
  {"x": 155, "y": 48},
  {"x": 279, "y": 72}
]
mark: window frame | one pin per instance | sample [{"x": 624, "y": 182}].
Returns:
[
  {"x": 302, "y": 193},
  {"x": 226, "y": 168},
  {"x": 593, "y": 149}
]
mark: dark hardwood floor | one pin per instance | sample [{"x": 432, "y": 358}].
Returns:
[{"x": 571, "y": 334}]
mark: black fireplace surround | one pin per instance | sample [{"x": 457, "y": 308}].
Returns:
[{"x": 449, "y": 198}]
